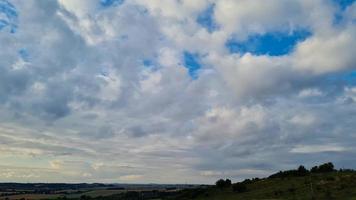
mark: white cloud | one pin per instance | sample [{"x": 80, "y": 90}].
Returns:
[
  {"x": 310, "y": 92},
  {"x": 317, "y": 148},
  {"x": 244, "y": 17},
  {"x": 111, "y": 86},
  {"x": 327, "y": 53},
  {"x": 83, "y": 107},
  {"x": 131, "y": 177},
  {"x": 223, "y": 124},
  {"x": 303, "y": 120}
]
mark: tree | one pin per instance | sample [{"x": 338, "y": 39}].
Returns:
[
  {"x": 314, "y": 169},
  {"x": 302, "y": 171},
  {"x": 326, "y": 167},
  {"x": 227, "y": 182},
  {"x": 221, "y": 183}
]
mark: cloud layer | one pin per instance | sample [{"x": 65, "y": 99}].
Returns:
[{"x": 174, "y": 91}]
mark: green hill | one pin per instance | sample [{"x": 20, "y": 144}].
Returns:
[
  {"x": 322, "y": 182},
  {"x": 319, "y": 183},
  {"x": 334, "y": 185}
]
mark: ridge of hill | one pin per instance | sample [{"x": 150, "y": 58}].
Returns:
[{"x": 321, "y": 182}]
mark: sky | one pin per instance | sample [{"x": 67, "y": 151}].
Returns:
[{"x": 174, "y": 91}]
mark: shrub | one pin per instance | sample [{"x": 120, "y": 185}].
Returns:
[
  {"x": 247, "y": 181},
  {"x": 302, "y": 171},
  {"x": 314, "y": 169},
  {"x": 221, "y": 183},
  {"x": 227, "y": 182},
  {"x": 326, "y": 167}
]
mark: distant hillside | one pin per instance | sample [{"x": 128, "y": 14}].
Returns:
[{"x": 320, "y": 183}]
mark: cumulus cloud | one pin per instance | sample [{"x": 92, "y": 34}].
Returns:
[{"x": 100, "y": 91}]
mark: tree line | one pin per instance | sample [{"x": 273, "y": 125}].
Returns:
[{"x": 299, "y": 172}]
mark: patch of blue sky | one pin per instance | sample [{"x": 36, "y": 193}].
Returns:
[
  {"x": 108, "y": 3},
  {"x": 25, "y": 56},
  {"x": 206, "y": 19},
  {"x": 344, "y": 3},
  {"x": 147, "y": 62},
  {"x": 347, "y": 78},
  {"x": 150, "y": 63},
  {"x": 3, "y": 24},
  {"x": 192, "y": 63},
  {"x": 271, "y": 43},
  {"x": 8, "y": 16},
  {"x": 351, "y": 77}
]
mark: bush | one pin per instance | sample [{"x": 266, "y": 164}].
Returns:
[
  {"x": 324, "y": 168},
  {"x": 247, "y": 181},
  {"x": 221, "y": 183},
  {"x": 301, "y": 171},
  {"x": 314, "y": 169},
  {"x": 327, "y": 167},
  {"x": 239, "y": 187},
  {"x": 227, "y": 182}
]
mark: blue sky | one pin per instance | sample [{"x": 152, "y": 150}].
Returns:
[
  {"x": 344, "y": 3},
  {"x": 206, "y": 19},
  {"x": 192, "y": 63},
  {"x": 173, "y": 91},
  {"x": 108, "y": 3},
  {"x": 9, "y": 18},
  {"x": 272, "y": 43}
]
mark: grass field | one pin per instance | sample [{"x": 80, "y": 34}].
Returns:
[{"x": 91, "y": 193}]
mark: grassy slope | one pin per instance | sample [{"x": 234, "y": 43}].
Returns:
[{"x": 335, "y": 185}]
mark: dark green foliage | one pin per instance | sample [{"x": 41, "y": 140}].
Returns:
[
  {"x": 239, "y": 187},
  {"x": 314, "y": 169},
  {"x": 347, "y": 170},
  {"x": 256, "y": 179},
  {"x": 324, "y": 168},
  {"x": 301, "y": 171},
  {"x": 247, "y": 181},
  {"x": 327, "y": 167},
  {"x": 330, "y": 178},
  {"x": 278, "y": 193},
  {"x": 85, "y": 197},
  {"x": 221, "y": 183},
  {"x": 228, "y": 182},
  {"x": 291, "y": 190}
]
